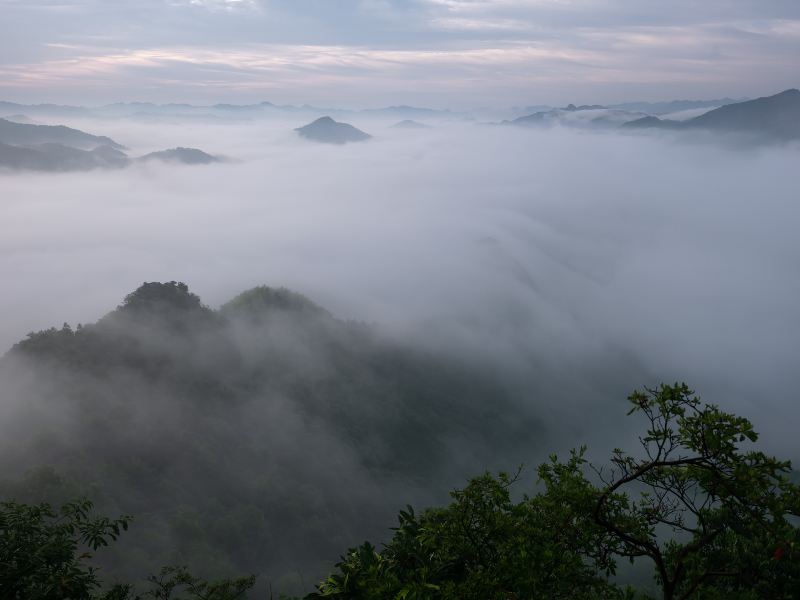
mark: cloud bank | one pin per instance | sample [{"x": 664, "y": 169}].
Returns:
[{"x": 561, "y": 257}]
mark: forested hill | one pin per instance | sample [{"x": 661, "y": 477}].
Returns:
[{"x": 260, "y": 438}]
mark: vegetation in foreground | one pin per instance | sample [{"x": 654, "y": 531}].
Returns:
[{"x": 713, "y": 519}]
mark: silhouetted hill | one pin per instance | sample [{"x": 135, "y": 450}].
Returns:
[
  {"x": 772, "y": 117},
  {"x": 188, "y": 156},
  {"x": 24, "y": 134},
  {"x": 775, "y": 116},
  {"x": 258, "y": 438},
  {"x": 652, "y": 122},
  {"x": 328, "y": 131},
  {"x": 538, "y": 118},
  {"x": 410, "y": 124}
]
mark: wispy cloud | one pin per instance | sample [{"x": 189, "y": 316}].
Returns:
[{"x": 495, "y": 51}]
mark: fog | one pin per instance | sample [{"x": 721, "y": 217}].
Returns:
[
  {"x": 573, "y": 265},
  {"x": 559, "y": 242}
]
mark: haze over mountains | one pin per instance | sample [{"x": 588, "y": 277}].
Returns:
[
  {"x": 772, "y": 118},
  {"x": 59, "y": 148},
  {"x": 518, "y": 282},
  {"x": 322, "y": 419},
  {"x": 25, "y": 134}
]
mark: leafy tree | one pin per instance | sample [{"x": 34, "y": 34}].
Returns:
[
  {"x": 44, "y": 554},
  {"x": 716, "y": 520},
  {"x": 484, "y": 546},
  {"x": 707, "y": 513},
  {"x": 175, "y": 583}
]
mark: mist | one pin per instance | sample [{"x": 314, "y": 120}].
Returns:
[
  {"x": 562, "y": 241},
  {"x": 574, "y": 265}
]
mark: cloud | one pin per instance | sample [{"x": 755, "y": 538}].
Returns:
[
  {"x": 571, "y": 261},
  {"x": 495, "y": 52}
]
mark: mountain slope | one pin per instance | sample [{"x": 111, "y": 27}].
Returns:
[
  {"x": 23, "y": 134},
  {"x": 770, "y": 118},
  {"x": 187, "y": 156},
  {"x": 777, "y": 116},
  {"x": 58, "y": 157},
  {"x": 259, "y": 438},
  {"x": 328, "y": 131},
  {"x": 410, "y": 124}
]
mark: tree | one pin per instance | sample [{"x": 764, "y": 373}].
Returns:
[
  {"x": 44, "y": 554},
  {"x": 483, "y": 546},
  {"x": 716, "y": 520},
  {"x": 708, "y": 514},
  {"x": 173, "y": 583}
]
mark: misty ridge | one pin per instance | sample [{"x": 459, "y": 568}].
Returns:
[
  {"x": 288, "y": 428},
  {"x": 463, "y": 298},
  {"x": 24, "y": 144}
]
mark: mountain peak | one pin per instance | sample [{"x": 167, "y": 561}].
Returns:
[{"x": 328, "y": 131}]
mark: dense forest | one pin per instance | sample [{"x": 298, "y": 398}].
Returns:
[{"x": 259, "y": 438}]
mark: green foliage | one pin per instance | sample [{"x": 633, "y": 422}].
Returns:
[
  {"x": 177, "y": 583},
  {"x": 44, "y": 554},
  {"x": 708, "y": 513},
  {"x": 484, "y": 546},
  {"x": 716, "y": 520},
  {"x": 154, "y": 296},
  {"x": 263, "y": 300}
]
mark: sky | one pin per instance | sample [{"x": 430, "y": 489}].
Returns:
[{"x": 367, "y": 53}]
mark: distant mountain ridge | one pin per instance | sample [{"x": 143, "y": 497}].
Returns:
[
  {"x": 56, "y": 148},
  {"x": 222, "y": 110},
  {"x": 25, "y": 133},
  {"x": 774, "y": 117}
]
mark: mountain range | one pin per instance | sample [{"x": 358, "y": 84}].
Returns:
[
  {"x": 29, "y": 146},
  {"x": 771, "y": 117}
]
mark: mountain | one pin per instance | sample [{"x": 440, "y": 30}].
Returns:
[
  {"x": 328, "y": 131},
  {"x": 409, "y": 124},
  {"x": 573, "y": 108},
  {"x": 772, "y": 117},
  {"x": 187, "y": 156},
  {"x": 44, "y": 109},
  {"x": 261, "y": 437},
  {"x": 650, "y": 122},
  {"x": 58, "y": 157},
  {"x": 775, "y": 116},
  {"x": 23, "y": 134}
]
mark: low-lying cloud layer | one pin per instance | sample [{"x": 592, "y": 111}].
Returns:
[{"x": 549, "y": 247}]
